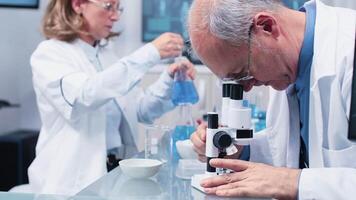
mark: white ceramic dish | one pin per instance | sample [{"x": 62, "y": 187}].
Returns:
[
  {"x": 140, "y": 168},
  {"x": 185, "y": 149}
]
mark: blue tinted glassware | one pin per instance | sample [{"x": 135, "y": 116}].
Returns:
[
  {"x": 181, "y": 132},
  {"x": 184, "y": 128},
  {"x": 184, "y": 90}
]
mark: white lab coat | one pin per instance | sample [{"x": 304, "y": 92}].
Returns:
[
  {"x": 71, "y": 149},
  {"x": 332, "y": 157}
]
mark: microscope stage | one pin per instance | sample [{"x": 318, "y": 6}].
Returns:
[{"x": 196, "y": 179}]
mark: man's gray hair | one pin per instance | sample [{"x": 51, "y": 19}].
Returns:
[{"x": 229, "y": 20}]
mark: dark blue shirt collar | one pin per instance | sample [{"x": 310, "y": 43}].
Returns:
[
  {"x": 302, "y": 84},
  {"x": 307, "y": 50}
]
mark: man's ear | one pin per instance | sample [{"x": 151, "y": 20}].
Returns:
[
  {"x": 77, "y": 6},
  {"x": 266, "y": 23}
]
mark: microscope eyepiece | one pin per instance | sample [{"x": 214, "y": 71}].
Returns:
[
  {"x": 213, "y": 120},
  {"x": 236, "y": 92},
  {"x": 226, "y": 90}
]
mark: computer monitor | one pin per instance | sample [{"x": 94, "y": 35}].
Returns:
[
  {"x": 159, "y": 16},
  {"x": 294, "y": 4},
  {"x": 19, "y": 3}
]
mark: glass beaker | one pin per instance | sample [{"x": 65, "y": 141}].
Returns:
[
  {"x": 157, "y": 142},
  {"x": 151, "y": 141}
]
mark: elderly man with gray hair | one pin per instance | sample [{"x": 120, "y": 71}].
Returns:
[{"x": 307, "y": 57}]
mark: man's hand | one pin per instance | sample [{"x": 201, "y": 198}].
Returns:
[
  {"x": 252, "y": 180},
  {"x": 198, "y": 139}
]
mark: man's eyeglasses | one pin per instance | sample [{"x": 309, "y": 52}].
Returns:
[
  {"x": 108, "y": 6},
  {"x": 244, "y": 76}
]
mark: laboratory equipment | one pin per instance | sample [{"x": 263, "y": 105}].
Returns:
[
  {"x": 152, "y": 137},
  {"x": 184, "y": 128},
  {"x": 157, "y": 142},
  {"x": 185, "y": 149},
  {"x": 236, "y": 129},
  {"x": 257, "y": 113},
  {"x": 140, "y": 168},
  {"x": 184, "y": 90},
  {"x": 183, "y": 96}
]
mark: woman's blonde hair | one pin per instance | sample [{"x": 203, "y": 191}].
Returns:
[{"x": 61, "y": 22}]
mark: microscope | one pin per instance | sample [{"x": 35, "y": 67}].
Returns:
[{"x": 235, "y": 129}]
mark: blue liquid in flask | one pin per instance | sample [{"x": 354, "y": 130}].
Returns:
[{"x": 184, "y": 92}]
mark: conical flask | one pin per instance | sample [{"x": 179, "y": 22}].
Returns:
[{"x": 184, "y": 90}]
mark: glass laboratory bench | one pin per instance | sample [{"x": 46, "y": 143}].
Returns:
[
  {"x": 165, "y": 185},
  {"x": 170, "y": 183},
  {"x": 115, "y": 185}
]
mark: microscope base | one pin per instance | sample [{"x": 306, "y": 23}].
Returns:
[{"x": 196, "y": 179}]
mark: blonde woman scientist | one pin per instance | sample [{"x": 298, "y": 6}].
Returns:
[{"x": 85, "y": 107}]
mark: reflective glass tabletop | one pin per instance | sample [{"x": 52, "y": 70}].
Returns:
[
  {"x": 28, "y": 196},
  {"x": 116, "y": 185},
  {"x": 164, "y": 185},
  {"x": 171, "y": 182}
]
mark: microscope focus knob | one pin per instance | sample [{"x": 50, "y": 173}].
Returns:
[{"x": 222, "y": 140}]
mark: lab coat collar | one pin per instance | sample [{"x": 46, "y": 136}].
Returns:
[
  {"x": 325, "y": 66},
  {"x": 90, "y": 51}
]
